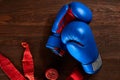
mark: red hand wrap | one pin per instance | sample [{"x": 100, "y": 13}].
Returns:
[
  {"x": 9, "y": 69},
  {"x": 75, "y": 75},
  {"x": 28, "y": 66},
  {"x": 51, "y": 74}
]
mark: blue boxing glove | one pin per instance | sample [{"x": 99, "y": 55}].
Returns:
[
  {"x": 80, "y": 43},
  {"x": 69, "y": 12}
]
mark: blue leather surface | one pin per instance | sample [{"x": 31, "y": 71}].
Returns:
[
  {"x": 81, "y": 11},
  {"x": 59, "y": 16},
  {"x": 80, "y": 42}
]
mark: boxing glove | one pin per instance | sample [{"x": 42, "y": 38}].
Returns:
[
  {"x": 80, "y": 43},
  {"x": 69, "y": 12}
]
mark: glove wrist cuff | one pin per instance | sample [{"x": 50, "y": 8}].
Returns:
[
  {"x": 93, "y": 67},
  {"x": 54, "y": 43}
]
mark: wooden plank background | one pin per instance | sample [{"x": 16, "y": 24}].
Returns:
[{"x": 31, "y": 21}]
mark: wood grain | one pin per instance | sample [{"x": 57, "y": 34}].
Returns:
[{"x": 31, "y": 21}]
